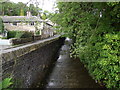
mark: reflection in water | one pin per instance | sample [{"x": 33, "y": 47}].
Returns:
[
  {"x": 60, "y": 57},
  {"x": 51, "y": 83}
]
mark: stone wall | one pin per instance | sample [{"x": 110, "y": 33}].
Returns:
[
  {"x": 29, "y": 64},
  {"x": 17, "y": 41},
  {"x": 19, "y": 27}
]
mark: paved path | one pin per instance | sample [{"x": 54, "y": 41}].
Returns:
[{"x": 69, "y": 73}]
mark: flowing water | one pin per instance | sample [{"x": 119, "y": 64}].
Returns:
[{"x": 69, "y": 73}]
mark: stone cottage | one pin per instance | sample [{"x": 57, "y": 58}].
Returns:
[
  {"x": 48, "y": 30},
  {"x": 22, "y": 23},
  {"x": 28, "y": 23}
]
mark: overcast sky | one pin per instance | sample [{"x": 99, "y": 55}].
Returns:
[{"x": 44, "y": 4}]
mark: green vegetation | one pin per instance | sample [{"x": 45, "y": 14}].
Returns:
[
  {"x": 95, "y": 30},
  {"x": 18, "y": 9},
  {"x": 43, "y": 16},
  {"x": 6, "y": 83},
  {"x": 38, "y": 32},
  {"x": 19, "y": 34},
  {"x": 1, "y": 26},
  {"x": 21, "y": 12}
]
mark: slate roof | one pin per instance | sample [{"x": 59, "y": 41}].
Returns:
[
  {"x": 48, "y": 22},
  {"x": 20, "y": 19}
]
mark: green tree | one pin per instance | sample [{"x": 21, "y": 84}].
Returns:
[
  {"x": 21, "y": 12},
  {"x": 43, "y": 16},
  {"x": 33, "y": 10},
  {"x": 17, "y": 9},
  {"x": 21, "y": 8},
  {"x": 1, "y": 26},
  {"x": 94, "y": 28}
]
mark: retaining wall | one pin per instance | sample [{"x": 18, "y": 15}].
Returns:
[{"x": 29, "y": 64}]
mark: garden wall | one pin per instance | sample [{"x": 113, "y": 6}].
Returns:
[{"x": 16, "y": 41}]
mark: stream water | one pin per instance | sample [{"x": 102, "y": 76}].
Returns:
[{"x": 69, "y": 73}]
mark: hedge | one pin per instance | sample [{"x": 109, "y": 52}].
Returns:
[{"x": 19, "y": 34}]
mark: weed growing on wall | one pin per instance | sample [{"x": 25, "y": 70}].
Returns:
[{"x": 6, "y": 83}]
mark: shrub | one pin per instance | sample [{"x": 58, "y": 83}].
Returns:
[
  {"x": 96, "y": 40},
  {"x": 27, "y": 34},
  {"x": 102, "y": 59},
  {"x": 37, "y": 32},
  {"x": 11, "y": 34},
  {"x": 19, "y": 34}
]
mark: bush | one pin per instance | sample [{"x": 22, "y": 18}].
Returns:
[
  {"x": 27, "y": 34},
  {"x": 102, "y": 59},
  {"x": 19, "y": 34},
  {"x": 96, "y": 39},
  {"x": 3, "y": 37},
  {"x": 11, "y": 34}
]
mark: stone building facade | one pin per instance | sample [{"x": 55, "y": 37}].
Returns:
[
  {"x": 22, "y": 23},
  {"x": 28, "y": 23}
]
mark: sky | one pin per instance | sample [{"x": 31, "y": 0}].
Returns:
[{"x": 44, "y": 4}]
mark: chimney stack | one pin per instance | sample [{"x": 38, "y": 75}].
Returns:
[{"x": 29, "y": 14}]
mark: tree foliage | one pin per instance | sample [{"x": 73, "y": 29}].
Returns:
[
  {"x": 21, "y": 12},
  {"x": 95, "y": 30},
  {"x": 17, "y": 9},
  {"x": 1, "y": 26}
]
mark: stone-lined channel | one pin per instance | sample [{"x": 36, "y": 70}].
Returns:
[{"x": 69, "y": 73}]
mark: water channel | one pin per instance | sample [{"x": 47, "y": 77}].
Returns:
[{"x": 69, "y": 73}]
